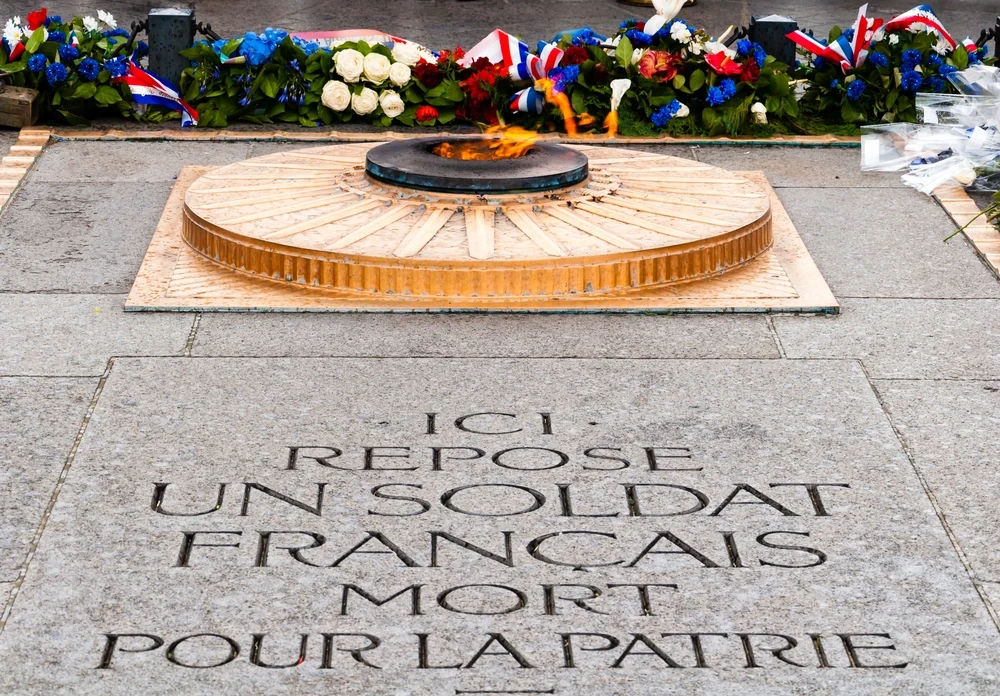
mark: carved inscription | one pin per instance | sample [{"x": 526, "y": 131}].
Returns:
[{"x": 648, "y": 512}]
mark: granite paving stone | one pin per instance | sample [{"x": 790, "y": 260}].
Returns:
[
  {"x": 952, "y": 430},
  {"x": 76, "y": 334},
  {"x": 78, "y": 237},
  {"x": 886, "y": 243},
  {"x": 441, "y": 335},
  {"x": 564, "y": 474},
  {"x": 7, "y": 138},
  {"x": 801, "y": 167},
  {"x": 129, "y": 162},
  {"x": 909, "y": 339},
  {"x": 39, "y": 421}
]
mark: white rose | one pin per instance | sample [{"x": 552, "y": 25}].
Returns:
[
  {"x": 90, "y": 24},
  {"x": 376, "y": 67},
  {"x": 759, "y": 112},
  {"x": 399, "y": 74},
  {"x": 406, "y": 53},
  {"x": 392, "y": 105},
  {"x": 336, "y": 95},
  {"x": 365, "y": 102},
  {"x": 349, "y": 64},
  {"x": 107, "y": 18},
  {"x": 683, "y": 111},
  {"x": 893, "y": 39},
  {"x": 680, "y": 32}
]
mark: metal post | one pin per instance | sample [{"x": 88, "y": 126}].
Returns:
[
  {"x": 170, "y": 31},
  {"x": 769, "y": 31},
  {"x": 996, "y": 35}
]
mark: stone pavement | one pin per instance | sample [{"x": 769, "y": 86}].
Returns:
[{"x": 819, "y": 489}]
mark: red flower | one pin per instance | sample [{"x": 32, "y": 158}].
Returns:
[
  {"x": 456, "y": 55},
  {"x": 428, "y": 74},
  {"x": 36, "y": 18},
  {"x": 575, "y": 55},
  {"x": 660, "y": 65},
  {"x": 427, "y": 113},
  {"x": 751, "y": 71},
  {"x": 723, "y": 64}
]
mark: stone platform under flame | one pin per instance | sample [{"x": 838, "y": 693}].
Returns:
[{"x": 311, "y": 229}]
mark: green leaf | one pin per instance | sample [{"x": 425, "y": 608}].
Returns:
[
  {"x": 73, "y": 119},
  {"x": 697, "y": 80},
  {"x": 269, "y": 84},
  {"x": 37, "y": 37},
  {"x": 445, "y": 116},
  {"x": 890, "y": 101},
  {"x": 679, "y": 81},
  {"x": 84, "y": 90},
  {"x": 11, "y": 68},
  {"x": 454, "y": 91},
  {"x": 107, "y": 95},
  {"x": 579, "y": 101},
  {"x": 850, "y": 114},
  {"x": 623, "y": 54},
  {"x": 960, "y": 57}
]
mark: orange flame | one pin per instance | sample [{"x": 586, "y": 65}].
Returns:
[
  {"x": 560, "y": 99},
  {"x": 501, "y": 142},
  {"x": 611, "y": 124}
]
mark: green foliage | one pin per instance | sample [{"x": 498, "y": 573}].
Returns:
[
  {"x": 275, "y": 78},
  {"x": 78, "y": 98}
]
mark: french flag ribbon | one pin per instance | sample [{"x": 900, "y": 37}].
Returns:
[
  {"x": 507, "y": 50},
  {"x": 922, "y": 14},
  {"x": 329, "y": 39},
  {"x": 498, "y": 47},
  {"x": 15, "y": 52},
  {"x": 528, "y": 101},
  {"x": 149, "y": 89},
  {"x": 537, "y": 67},
  {"x": 846, "y": 53},
  {"x": 970, "y": 45}
]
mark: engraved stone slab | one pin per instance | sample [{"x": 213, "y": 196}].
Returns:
[{"x": 553, "y": 526}]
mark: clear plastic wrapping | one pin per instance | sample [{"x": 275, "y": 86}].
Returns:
[{"x": 958, "y": 140}]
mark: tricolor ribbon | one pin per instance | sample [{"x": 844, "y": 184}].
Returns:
[
  {"x": 148, "y": 89},
  {"x": 507, "y": 50},
  {"x": 846, "y": 53},
  {"x": 922, "y": 14},
  {"x": 528, "y": 101},
  {"x": 16, "y": 51}
]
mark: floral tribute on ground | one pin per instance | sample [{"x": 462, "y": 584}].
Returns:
[{"x": 662, "y": 75}]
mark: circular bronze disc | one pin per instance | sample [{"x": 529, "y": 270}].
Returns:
[{"x": 313, "y": 217}]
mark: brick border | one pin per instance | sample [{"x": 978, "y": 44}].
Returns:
[
  {"x": 984, "y": 236},
  {"x": 19, "y": 159}
]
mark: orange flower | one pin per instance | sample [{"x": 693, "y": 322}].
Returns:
[{"x": 660, "y": 65}]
